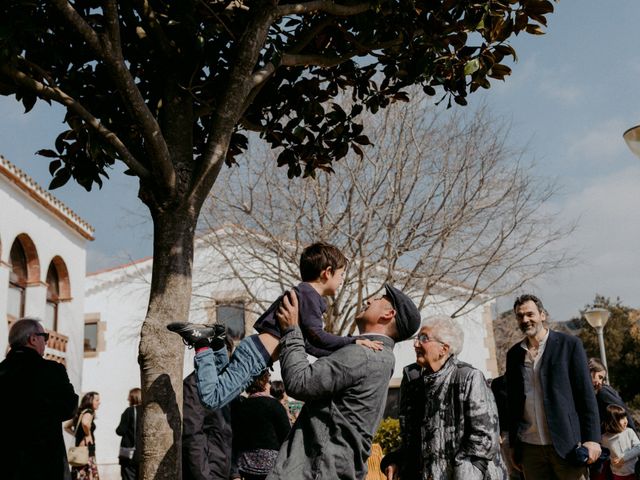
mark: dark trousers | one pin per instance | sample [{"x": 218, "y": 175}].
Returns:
[
  {"x": 129, "y": 471},
  {"x": 541, "y": 462}
]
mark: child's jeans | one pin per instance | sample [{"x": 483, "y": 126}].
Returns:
[{"x": 220, "y": 380}]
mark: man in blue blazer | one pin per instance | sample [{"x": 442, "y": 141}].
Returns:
[{"x": 551, "y": 405}]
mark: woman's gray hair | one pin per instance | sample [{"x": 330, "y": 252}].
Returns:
[
  {"x": 446, "y": 330},
  {"x": 22, "y": 330}
]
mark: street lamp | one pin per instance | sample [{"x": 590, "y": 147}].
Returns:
[
  {"x": 597, "y": 318},
  {"x": 632, "y": 137}
]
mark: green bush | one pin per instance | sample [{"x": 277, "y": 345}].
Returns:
[{"x": 388, "y": 435}]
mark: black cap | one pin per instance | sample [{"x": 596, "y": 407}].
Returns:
[{"x": 407, "y": 314}]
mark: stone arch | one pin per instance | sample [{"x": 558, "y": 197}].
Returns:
[
  {"x": 64, "y": 284},
  {"x": 33, "y": 262}
]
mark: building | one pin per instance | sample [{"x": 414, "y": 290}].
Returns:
[
  {"x": 116, "y": 303},
  {"x": 42, "y": 266}
]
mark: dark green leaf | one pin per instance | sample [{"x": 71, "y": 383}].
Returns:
[{"x": 62, "y": 177}]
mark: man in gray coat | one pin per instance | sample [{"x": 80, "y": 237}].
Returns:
[{"x": 344, "y": 393}]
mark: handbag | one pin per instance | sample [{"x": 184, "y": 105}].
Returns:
[
  {"x": 127, "y": 453},
  {"x": 78, "y": 456}
]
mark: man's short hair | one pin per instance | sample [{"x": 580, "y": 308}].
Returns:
[
  {"x": 522, "y": 299},
  {"x": 22, "y": 330},
  {"x": 317, "y": 257}
]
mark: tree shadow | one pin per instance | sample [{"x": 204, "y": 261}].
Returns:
[{"x": 162, "y": 393}]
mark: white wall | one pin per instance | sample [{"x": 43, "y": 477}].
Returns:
[{"x": 19, "y": 214}]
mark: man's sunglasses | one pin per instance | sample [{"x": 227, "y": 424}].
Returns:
[{"x": 44, "y": 335}]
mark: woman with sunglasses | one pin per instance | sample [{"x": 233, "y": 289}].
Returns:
[{"x": 448, "y": 417}]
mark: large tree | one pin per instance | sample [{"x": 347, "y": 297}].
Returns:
[
  {"x": 170, "y": 88},
  {"x": 441, "y": 205}
]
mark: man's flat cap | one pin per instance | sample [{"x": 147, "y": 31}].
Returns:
[{"x": 407, "y": 314}]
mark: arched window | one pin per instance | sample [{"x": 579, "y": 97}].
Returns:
[
  {"x": 53, "y": 298},
  {"x": 17, "y": 282}
]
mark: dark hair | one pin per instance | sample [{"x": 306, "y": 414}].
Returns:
[
  {"x": 277, "y": 390},
  {"x": 612, "y": 417},
  {"x": 85, "y": 404},
  {"x": 318, "y": 257},
  {"x": 529, "y": 298},
  {"x": 595, "y": 365},
  {"x": 259, "y": 383},
  {"x": 135, "y": 396}
]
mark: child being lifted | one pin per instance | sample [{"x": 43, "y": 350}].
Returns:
[{"x": 220, "y": 379}]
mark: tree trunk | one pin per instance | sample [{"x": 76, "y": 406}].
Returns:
[{"x": 161, "y": 352}]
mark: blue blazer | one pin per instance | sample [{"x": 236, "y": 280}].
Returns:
[{"x": 569, "y": 400}]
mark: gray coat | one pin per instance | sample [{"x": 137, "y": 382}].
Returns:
[
  {"x": 449, "y": 426},
  {"x": 344, "y": 395}
]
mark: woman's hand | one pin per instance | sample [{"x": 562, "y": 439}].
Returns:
[{"x": 391, "y": 471}]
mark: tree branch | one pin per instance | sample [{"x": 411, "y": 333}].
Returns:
[
  {"x": 239, "y": 85},
  {"x": 327, "y": 6},
  {"x": 57, "y": 95},
  {"x": 113, "y": 26},
  {"x": 110, "y": 52}
]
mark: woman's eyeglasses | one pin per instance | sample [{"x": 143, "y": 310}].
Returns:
[{"x": 424, "y": 338}]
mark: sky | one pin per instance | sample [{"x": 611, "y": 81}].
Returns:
[{"x": 572, "y": 94}]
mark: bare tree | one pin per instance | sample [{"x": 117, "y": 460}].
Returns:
[{"x": 441, "y": 206}]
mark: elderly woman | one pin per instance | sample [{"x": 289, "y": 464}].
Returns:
[{"x": 448, "y": 420}]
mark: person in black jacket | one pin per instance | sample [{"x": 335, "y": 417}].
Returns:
[
  {"x": 128, "y": 429},
  {"x": 260, "y": 427},
  {"x": 206, "y": 435},
  {"x": 605, "y": 394},
  {"x": 551, "y": 405},
  {"x": 36, "y": 397}
]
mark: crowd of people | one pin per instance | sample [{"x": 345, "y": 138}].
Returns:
[{"x": 551, "y": 416}]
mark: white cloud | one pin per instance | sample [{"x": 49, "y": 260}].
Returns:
[
  {"x": 601, "y": 142},
  {"x": 556, "y": 89},
  {"x": 607, "y": 241}
]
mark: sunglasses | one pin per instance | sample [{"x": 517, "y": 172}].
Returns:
[
  {"x": 424, "y": 338},
  {"x": 44, "y": 335}
]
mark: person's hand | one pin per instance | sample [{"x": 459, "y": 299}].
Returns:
[
  {"x": 514, "y": 462},
  {"x": 287, "y": 313},
  {"x": 391, "y": 471},
  {"x": 375, "y": 345},
  {"x": 617, "y": 461},
  {"x": 594, "y": 451}
]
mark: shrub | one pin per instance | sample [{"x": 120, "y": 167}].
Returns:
[{"x": 388, "y": 435}]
